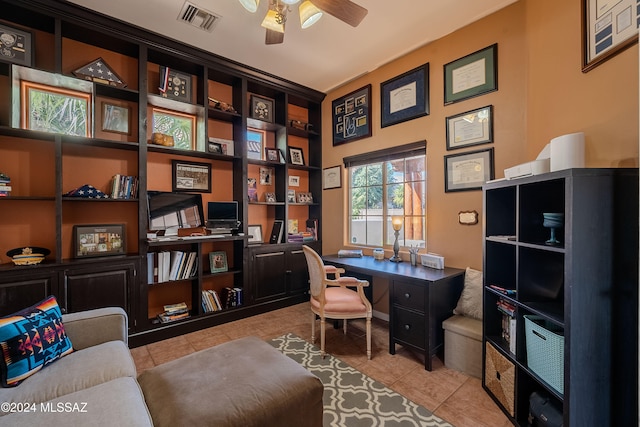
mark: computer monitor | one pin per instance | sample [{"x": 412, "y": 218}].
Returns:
[{"x": 222, "y": 215}]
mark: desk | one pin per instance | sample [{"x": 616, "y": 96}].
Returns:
[{"x": 420, "y": 299}]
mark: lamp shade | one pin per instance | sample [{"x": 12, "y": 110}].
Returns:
[
  {"x": 396, "y": 223},
  {"x": 289, "y": 2},
  {"x": 250, "y": 5},
  {"x": 270, "y": 22},
  {"x": 309, "y": 14}
]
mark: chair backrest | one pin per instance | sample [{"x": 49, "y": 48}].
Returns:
[{"x": 316, "y": 271}]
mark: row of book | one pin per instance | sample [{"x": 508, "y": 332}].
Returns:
[
  {"x": 173, "y": 312},
  {"x": 124, "y": 187},
  {"x": 303, "y": 236},
  {"x": 212, "y": 301},
  {"x": 166, "y": 266},
  {"x": 5, "y": 185},
  {"x": 509, "y": 325}
]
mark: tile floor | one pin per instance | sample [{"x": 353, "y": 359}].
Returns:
[{"x": 451, "y": 395}]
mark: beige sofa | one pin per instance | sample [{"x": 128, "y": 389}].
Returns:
[{"x": 245, "y": 382}]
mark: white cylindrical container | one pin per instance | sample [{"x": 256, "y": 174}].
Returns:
[
  {"x": 567, "y": 151},
  {"x": 378, "y": 254}
]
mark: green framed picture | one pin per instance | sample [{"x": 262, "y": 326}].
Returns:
[
  {"x": 472, "y": 75},
  {"x": 218, "y": 262}
]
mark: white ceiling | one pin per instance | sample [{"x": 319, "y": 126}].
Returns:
[{"x": 321, "y": 57}]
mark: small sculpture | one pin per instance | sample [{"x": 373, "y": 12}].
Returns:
[
  {"x": 553, "y": 221},
  {"x": 223, "y": 106}
]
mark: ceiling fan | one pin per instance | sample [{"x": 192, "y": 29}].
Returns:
[{"x": 310, "y": 12}]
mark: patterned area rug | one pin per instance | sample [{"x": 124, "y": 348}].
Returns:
[{"x": 352, "y": 399}]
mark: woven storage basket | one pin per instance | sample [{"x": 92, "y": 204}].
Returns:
[
  {"x": 499, "y": 377},
  {"x": 545, "y": 350}
]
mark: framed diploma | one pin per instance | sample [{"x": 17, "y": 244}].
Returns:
[
  {"x": 470, "y": 128},
  {"x": 332, "y": 177},
  {"x": 609, "y": 27},
  {"x": 352, "y": 116},
  {"x": 468, "y": 171},
  {"x": 472, "y": 75},
  {"x": 405, "y": 97}
]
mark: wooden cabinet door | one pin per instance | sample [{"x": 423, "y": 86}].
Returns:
[
  {"x": 297, "y": 272},
  {"x": 23, "y": 290},
  {"x": 268, "y": 275}
]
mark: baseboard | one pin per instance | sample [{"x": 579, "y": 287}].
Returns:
[{"x": 380, "y": 315}]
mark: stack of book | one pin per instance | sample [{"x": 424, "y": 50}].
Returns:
[
  {"x": 233, "y": 297},
  {"x": 211, "y": 301},
  {"x": 173, "y": 312},
  {"x": 301, "y": 237},
  {"x": 124, "y": 187},
  {"x": 508, "y": 311},
  {"x": 5, "y": 187}
]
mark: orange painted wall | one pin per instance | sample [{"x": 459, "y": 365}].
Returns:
[{"x": 542, "y": 93}]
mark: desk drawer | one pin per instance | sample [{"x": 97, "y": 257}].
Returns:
[
  {"x": 408, "y": 295},
  {"x": 409, "y": 327}
]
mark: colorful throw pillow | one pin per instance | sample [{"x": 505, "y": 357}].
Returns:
[
  {"x": 470, "y": 302},
  {"x": 30, "y": 340}
]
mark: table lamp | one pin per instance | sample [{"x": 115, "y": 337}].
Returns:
[{"x": 396, "y": 223}]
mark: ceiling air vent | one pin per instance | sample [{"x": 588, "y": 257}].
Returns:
[{"x": 198, "y": 17}]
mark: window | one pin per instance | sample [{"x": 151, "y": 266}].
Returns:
[
  {"x": 179, "y": 125},
  {"x": 386, "y": 184}
]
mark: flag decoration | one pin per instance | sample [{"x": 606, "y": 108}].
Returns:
[
  {"x": 88, "y": 192},
  {"x": 98, "y": 71}
]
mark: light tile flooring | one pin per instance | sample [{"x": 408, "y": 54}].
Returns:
[{"x": 451, "y": 395}]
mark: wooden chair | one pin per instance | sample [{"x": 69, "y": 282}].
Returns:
[{"x": 332, "y": 299}]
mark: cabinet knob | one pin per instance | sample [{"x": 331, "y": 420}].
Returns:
[
  {"x": 407, "y": 295},
  {"x": 407, "y": 327}
]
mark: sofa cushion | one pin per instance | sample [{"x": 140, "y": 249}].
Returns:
[
  {"x": 30, "y": 340},
  {"x": 114, "y": 403},
  {"x": 470, "y": 302},
  {"x": 78, "y": 371}
]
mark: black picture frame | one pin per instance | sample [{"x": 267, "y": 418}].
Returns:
[
  {"x": 99, "y": 240},
  {"x": 16, "y": 46},
  {"x": 255, "y": 233},
  {"x": 175, "y": 85},
  {"x": 472, "y": 75},
  {"x": 352, "y": 116},
  {"x": 474, "y": 127},
  {"x": 191, "y": 177},
  {"x": 296, "y": 156},
  {"x": 468, "y": 171},
  {"x": 261, "y": 108},
  {"x": 405, "y": 97},
  {"x": 116, "y": 118},
  {"x": 332, "y": 177}
]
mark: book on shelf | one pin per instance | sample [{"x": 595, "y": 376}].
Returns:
[
  {"x": 173, "y": 312},
  {"x": 504, "y": 291},
  {"x": 124, "y": 187},
  {"x": 178, "y": 308},
  {"x": 506, "y": 307},
  {"x": 350, "y": 253},
  {"x": 167, "y": 266},
  {"x": 509, "y": 323},
  {"x": 312, "y": 227},
  {"x": 210, "y": 301},
  {"x": 167, "y": 317},
  {"x": 233, "y": 297}
]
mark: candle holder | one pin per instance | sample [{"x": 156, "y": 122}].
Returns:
[{"x": 396, "y": 223}]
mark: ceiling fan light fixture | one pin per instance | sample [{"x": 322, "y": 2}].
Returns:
[
  {"x": 272, "y": 21},
  {"x": 309, "y": 14},
  {"x": 250, "y": 5},
  {"x": 289, "y": 2}
]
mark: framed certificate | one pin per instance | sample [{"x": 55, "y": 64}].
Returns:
[
  {"x": 468, "y": 171},
  {"x": 472, "y": 75},
  {"x": 405, "y": 97},
  {"x": 470, "y": 128}
]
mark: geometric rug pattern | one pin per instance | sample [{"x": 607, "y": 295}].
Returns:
[{"x": 351, "y": 398}]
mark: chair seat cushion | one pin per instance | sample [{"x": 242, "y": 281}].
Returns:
[{"x": 340, "y": 300}]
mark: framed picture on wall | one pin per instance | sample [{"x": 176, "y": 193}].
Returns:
[
  {"x": 472, "y": 75},
  {"x": 115, "y": 118},
  {"x": 405, "y": 97},
  {"x": 16, "y": 45},
  {"x": 191, "y": 176},
  {"x": 352, "y": 116},
  {"x": 470, "y": 128},
  {"x": 468, "y": 171}
]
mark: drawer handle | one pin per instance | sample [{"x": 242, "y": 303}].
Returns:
[
  {"x": 407, "y": 295},
  {"x": 407, "y": 327}
]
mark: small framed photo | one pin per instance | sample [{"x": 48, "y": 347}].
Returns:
[
  {"x": 468, "y": 171},
  {"x": 226, "y": 145},
  {"x": 294, "y": 181},
  {"x": 97, "y": 240},
  {"x": 191, "y": 176},
  {"x": 470, "y": 128},
  {"x": 270, "y": 197},
  {"x": 291, "y": 196},
  {"x": 266, "y": 176},
  {"x": 115, "y": 118},
  {"x": 272, "y": 154},
  {"x": 255, "y": 233},
  {"x": 215, "y": 148},
  {"x": 296, "y": 156},
  {"x": 405, "y": 97},
  {"x": 472, "y": 75},
  {"x": 218, "y": 261},
  {"x": 16, "y": 46},
  {"x": 332, "y": 177},
  {"x": 255, "y": 141},
  {"x": 305, "y": 198},
  {"x": 261, "y": 108}
]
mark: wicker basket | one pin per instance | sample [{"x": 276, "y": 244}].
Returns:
[
  {"x": 499, "y": 377},
  {"x": 545, "y": 351}
]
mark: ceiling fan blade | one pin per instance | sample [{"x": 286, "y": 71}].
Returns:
[
  {"x": 274, "y": 37},
  {"x": 344, "y": 10}
]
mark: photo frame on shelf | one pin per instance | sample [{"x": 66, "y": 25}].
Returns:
[
  {"x": 116, "y": 118},
  {"x": 304, "y": 198},
  {"x": 98, "y": 240},
  {"x": 218, "y": 262},
  {"x": 296, "y": 156},
  {"x": 174, "y": 84},
  {"x": 472, "y": 127},
  {"x": 180, "y": 126},
  {"x": 261, "y": 108},
  {"x": 291, "y": 196},
  {"x": 255, "y": 233},
  {"x": 266, "y": 176},
  {"x": 215, "y": 148},
  {"x": 270, "y": 197},
  {"x": 226, "y": 145},
  {"x": 276, "y": 232},
  {"x": 468, "y": 171},
  {"x": 190, "y": 176},
  {"x": 472, "y": 75},
  {"x": 294, "y": 181},
  {"x": 332, "y": 177},
  {"x": 352, "y": 116},
  {"x": 252, "y": 189},
  {"x": 255, "y": 141},
  {"x": 608, "y": 29},
  {"x": 405, "y": 97},
  {"x": 272, "y": 154},
  {"x": 16, "y": 46}
]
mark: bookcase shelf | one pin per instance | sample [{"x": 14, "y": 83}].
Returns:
[{"x": 68, "y": 37}]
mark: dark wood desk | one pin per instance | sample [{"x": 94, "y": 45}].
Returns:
[{"x": 420, "y": 299}]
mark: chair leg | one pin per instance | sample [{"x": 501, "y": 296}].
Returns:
[
  {"x": 369, "y": 338},
  {"x": 313, "y": 327},
  {"x": 322, "y": 330},
  {"x": 344, "y": 326}
]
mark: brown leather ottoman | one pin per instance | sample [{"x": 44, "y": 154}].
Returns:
[{"x": 245, "y": 382}]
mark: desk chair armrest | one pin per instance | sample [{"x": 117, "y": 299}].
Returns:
[
  {"x": 331, "y": 269},
  {"x": 347, "y": 281}
]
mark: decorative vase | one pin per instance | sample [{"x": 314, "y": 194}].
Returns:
[{"x": 553, "y": 221}]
